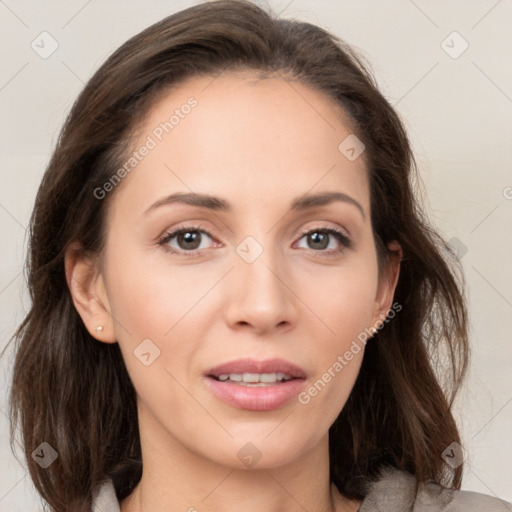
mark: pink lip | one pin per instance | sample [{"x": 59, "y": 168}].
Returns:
[{"x": 260, "y": 398}]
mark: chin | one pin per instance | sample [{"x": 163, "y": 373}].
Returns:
[{"x": 262, "y": 451}]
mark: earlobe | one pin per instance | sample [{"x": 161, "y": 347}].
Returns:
[
  {"x": 387, "y": 282},
  {"x": 87, "y": 289}
]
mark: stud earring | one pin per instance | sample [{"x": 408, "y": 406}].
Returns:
[{"x": 99, "y": 328}]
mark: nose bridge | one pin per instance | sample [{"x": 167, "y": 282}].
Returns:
[
  {"x": 258, "y": 261},
  {"x": 261, "y": 297}
]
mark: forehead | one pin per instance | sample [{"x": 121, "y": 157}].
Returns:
[{"x": 258, "y": 137}]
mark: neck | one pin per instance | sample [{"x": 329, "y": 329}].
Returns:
[{"x": 175, "y": 479}]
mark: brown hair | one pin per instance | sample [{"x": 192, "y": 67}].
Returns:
[{"x": 75, "y": 393}]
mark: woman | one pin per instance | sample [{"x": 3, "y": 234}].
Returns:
[{"x": 236, "y": 298}]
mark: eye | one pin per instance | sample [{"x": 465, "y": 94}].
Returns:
[
  {"x": 319, "y": 239},
  {"x": 188, "y": 241},
  {"x": 184, "y": 240}
]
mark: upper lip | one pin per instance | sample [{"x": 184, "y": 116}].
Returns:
[{"x": 241, "y": 366}]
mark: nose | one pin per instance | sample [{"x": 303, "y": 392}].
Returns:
[{"x": 261, "y": 295}]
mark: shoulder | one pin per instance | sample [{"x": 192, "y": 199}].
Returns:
[
  {"x": 396, "y": 491},
  {"x": 433, "y": 495},
  {"x": 104, "y": 498}
]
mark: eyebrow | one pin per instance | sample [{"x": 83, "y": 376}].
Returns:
[{"x": 218, "y": 204}]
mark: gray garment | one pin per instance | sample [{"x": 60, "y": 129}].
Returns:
[{"x": 393, "y": 492}]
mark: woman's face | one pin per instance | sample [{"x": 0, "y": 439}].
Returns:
[{"x": 209, "y": 321}]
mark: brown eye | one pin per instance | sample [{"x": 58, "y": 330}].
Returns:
[
  {"x": 187, "y": 239},
  {"x": 319, "y": 239}
]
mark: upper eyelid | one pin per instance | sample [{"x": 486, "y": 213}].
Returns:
[{"x": 203, "y": 229}]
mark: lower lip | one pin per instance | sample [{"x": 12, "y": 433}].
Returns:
[{"x": 257, "y": 398}]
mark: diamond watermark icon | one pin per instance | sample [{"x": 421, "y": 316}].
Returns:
[
  {"x": 454, "y": 455},
  {"x": 249, "y": 249},
  {"x": 454, "y": 45},
  {"x": 458, "y": 247},
  {"x": 249, "y": 455},
  {"x": 44, "y": 45},
  {"x": 45, "y": 455},
  {"x": 351, "y": 147},
  {"x": 146, "y": 352}
]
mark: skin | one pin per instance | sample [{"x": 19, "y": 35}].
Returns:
[{"x": 258, "y": 144}]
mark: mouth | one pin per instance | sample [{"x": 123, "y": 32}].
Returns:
[{"x": 256, "y": 385}]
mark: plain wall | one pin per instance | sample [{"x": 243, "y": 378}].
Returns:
[{"x": 458, "y": 112}]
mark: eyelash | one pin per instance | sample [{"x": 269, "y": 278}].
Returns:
[{"x": 339, "y": 235}]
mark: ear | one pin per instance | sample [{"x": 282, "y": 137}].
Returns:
[
  {"x": 387, "y": 284},
  {"x": 87, "y": 288}
]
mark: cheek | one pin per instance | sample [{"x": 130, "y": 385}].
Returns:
[
  {"x": 155, "y": 320},
  {"x": 155, "y": 313},
  {"x": 150, "y": 296},
  {"x": 343, "y": 299},
  {"x": 346, "y": 311}
]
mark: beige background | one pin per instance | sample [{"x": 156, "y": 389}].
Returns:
[{"x": 458, "y": 112}]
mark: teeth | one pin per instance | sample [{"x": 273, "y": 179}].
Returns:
[
  {"x": 269, "y": 377},
  {"x": 255, "y": 378}
]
